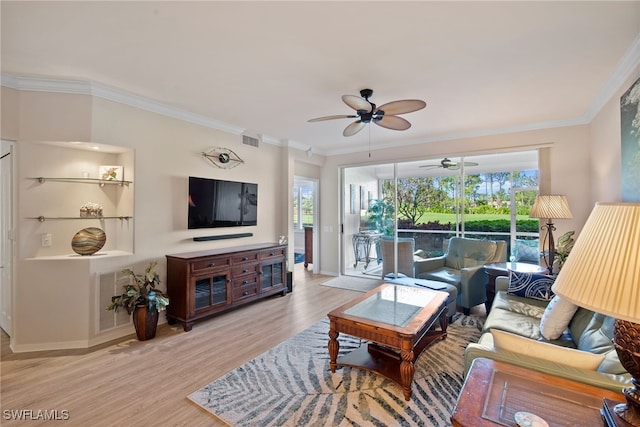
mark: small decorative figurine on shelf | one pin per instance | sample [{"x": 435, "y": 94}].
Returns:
[{"x": 90, "y": 210}]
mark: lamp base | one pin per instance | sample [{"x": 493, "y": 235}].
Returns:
[
  {"x": 630, "y": 411},
  {"x": 609, "y": 416},
  {"x": 550, "y": 256},
  {"x": 625, "y": 339}
]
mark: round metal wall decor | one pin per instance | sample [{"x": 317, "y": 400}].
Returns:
[
  {"x": 223, "y": 158},
  {"x": 88, "y": 241}
]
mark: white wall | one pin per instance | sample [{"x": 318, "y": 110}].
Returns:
[{"x": 166, "y": 151}]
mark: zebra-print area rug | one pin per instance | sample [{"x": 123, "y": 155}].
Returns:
[{"x": 292, "y": 385}]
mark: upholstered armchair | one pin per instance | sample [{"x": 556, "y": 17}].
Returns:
[
  {"x": 406, "y": 248},
  {"x": 462, "y": 266},
  {"x": 527, "y": 251}
]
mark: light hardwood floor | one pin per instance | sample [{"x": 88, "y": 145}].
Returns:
[{"x": 138, "y": 383}]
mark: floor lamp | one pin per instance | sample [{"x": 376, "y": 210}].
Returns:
[
  {"x": 550, "y": 207},
  {"x": 602, "y": 274}
]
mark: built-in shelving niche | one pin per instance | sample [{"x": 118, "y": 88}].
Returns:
[{"x": 58, "y": 179}]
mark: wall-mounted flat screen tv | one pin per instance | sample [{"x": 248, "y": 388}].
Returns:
[{"x": 217, "y": 203}]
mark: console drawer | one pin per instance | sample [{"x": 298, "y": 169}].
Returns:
[
  {"x": 272, "y": 253},
  {"x": 246, "y": 291},
  {"x": 248, "y": 280},
  {"x": 244, "y": 257},
  {"x": 244, "y": 269},
  {"x": 209, "y": 264}
]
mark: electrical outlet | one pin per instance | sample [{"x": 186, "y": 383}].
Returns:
[{"x": 47, "y": 240}]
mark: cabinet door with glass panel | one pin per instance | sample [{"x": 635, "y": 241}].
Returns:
[
  {"x": 272, "y": 269},
  {"x": 210, "y": 291}
]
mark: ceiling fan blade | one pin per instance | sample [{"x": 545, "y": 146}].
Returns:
[
  {"x": 402, "y": 107},
  {"x": 446, "y": 163},
  {"x": 338, "y": 116},
  {"x": 357, "y": 103},
  {"x": 353, "y": 128},
  {"x": 393, "y": 122}
]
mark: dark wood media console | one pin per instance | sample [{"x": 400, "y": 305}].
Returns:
[{"x": 204, "y": 283}]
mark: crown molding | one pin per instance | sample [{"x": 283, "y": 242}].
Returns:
[
  {"x": 78, "y": 87},
  {"x": 629, "y": 62}
]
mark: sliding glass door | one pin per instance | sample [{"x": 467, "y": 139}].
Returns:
[{"x": 486, "y": 197}]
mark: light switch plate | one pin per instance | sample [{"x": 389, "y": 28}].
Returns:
[{"x": 47, "y": 240}]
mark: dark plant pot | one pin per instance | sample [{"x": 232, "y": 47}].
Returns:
[{"x": 145, "y": 321}]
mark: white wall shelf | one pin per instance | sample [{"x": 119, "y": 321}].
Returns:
[
  {"x": 101, "y": 182},
  {"x": 52, "y": 218},
  {"x": 76, "y": 257}
]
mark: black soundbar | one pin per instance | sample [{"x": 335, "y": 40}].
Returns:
[{"x": 223, "y": 236}]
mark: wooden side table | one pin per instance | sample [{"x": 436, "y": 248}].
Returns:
[
  {"x": 494, "y": 391},
  {"x": 502, "y": 269}
]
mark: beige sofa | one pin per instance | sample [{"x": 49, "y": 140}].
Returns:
[{"x": 587, "y": 337}]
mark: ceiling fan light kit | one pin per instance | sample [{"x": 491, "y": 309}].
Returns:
[{"x": 367, "y": 112}]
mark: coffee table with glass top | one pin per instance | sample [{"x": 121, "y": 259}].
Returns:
[{"x": 398, "y": 322}]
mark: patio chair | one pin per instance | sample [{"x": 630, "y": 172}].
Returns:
[{"x": 406, "y": 248}]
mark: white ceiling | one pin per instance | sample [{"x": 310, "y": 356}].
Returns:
[{"x": 267, "y": 67}]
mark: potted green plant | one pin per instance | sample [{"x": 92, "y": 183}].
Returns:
[
  {"x": 381, "y": 216},
  {"x": 142, "y": 299},
  {"x": 563, "y": 248}
]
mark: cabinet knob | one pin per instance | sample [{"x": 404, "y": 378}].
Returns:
[
  {"x": 260, "y": 272},
  {"x": 246, "y": 282},
  {"x": 213, "y": 264},
  {"x": 271, "y": 254},
  {"x": 245, "y": 259},
  {"x": 245, "y": 271},
  {"x": 245, "y": 293}
]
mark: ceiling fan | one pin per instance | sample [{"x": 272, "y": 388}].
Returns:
[
  {"x": 366, "y": 112},
  {"x": 449, "y": 164}
]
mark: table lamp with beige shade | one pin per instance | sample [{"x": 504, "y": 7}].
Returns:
[
  {"x": 602, "y": 274},
  {"x": 550, "y": 207}
]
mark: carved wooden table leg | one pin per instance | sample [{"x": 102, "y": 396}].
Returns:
[
  {"x": 407, "y": 370},
  {"x": 334, "y": 346},
  {"x": 444, "y": 322}
]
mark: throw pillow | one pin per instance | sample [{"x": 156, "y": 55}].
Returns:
[
  {"x": 529, "y": 285},
  {"x": 526, "y": 250},
  {"x": 541, "y": 350},
  {"x": 556, "y": 317}
]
